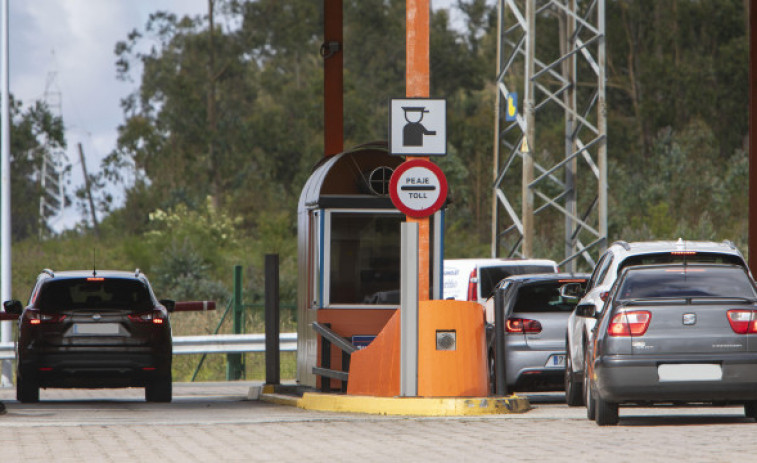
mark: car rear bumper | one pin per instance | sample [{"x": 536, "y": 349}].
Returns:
[
  {"x": 527, "y": 370},
  {"x": 95, "y": 369},
  {"x": 630, "y": 378}
]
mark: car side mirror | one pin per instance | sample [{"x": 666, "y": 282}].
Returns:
[
  {"x": 168, "y": 304},
  {"x": 586, "y": 310},
  {"x": 13, "y": 307},
  {"x": 571, "y": 292}
]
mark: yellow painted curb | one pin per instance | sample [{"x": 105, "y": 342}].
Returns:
[
  {"x": 418, "y": 406},
  {"x": 281, "y": 399}
]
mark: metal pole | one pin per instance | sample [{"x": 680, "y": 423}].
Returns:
[
  {"x": 409, "y": 310},
  {"x": 272, "y": 307},
  {"x": 602, "y": 126},
  {"x": 527, "y": 248},
  {"x": 567, "y": 42},
  {"x": 497, "y": 128},
  {"x": 234, "y": 362},
  {"x": 5, "y": 194}
]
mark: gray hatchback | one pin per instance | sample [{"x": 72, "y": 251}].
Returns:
[
  {"x": 536, "y": 321},
  {"x": 677, "y": 334}
]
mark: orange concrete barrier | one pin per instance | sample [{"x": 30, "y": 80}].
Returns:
[{"x": 462, "y": 372}]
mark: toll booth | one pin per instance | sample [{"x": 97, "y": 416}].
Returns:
[{"x": 349, "y": 252}]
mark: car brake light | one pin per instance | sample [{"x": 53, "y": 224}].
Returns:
[
  {"x": 742, "y": 321},
  {"x": 473, "y": 286},
  {"x": 522, "y": 325},
  {"x": 603, "y": 295},
  {"x": 95, "y": 279},
  {"x": 629, "y": 323},
  {"x": 35, "y": 317},
  {"x": 683, "y": 253},
  {"x": 155, "y": 317}
]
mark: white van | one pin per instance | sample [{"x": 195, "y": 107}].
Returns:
[{"x": 474, "y": 279}]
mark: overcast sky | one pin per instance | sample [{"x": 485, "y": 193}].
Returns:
[{"x": 74, "y": 41}]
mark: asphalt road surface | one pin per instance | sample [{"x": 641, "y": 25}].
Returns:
[{"x": 210, "y": 422}]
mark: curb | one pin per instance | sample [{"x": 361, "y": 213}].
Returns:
[{"x": 415, "y": 406}]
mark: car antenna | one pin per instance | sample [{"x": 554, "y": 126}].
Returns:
[{"x": 94, "y": 260}]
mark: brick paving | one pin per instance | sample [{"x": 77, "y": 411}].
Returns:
[{"x": 215, "y": 422}]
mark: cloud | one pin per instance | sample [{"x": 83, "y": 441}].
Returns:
[{"x": 73, "y": 40}]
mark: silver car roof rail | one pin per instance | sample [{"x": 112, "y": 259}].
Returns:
[
  {"x": 49, "y": 272},
  {"x": 625, "y": 244},
  {"x": 136, "y": 272},
  {"x": 730, "y": 243}
]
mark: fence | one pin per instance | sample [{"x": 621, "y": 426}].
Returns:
[{"x": 209, "y": 344}]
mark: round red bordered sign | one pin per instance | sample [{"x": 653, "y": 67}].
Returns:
[{"x": 418, "y": 188}]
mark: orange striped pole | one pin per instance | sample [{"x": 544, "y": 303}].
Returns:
[{"x": 417, "y": 14}]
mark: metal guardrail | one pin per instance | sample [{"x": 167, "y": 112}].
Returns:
[{"x": 209, "y": 344}]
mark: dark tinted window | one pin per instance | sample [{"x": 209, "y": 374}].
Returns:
[
  {"x": 543, "y": 297},
  {"x": 89, "y": 293},
  {"x": 365, "y": 258},
  {"x": 689, "y": 281},
  {"x": 668, "y": 257},
  {"x": 489, "y": 276}
]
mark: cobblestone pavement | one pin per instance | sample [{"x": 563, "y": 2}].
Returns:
[{"x": 210, "y": 422}]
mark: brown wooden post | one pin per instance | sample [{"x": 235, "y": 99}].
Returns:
[
  {"x": 333, "y": 78},
  {"x": 752, "y": 138}
]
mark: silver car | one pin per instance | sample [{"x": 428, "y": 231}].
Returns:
[
  {"x": 617, "y": 257},
  {"x": 534, "y": 331},
  {"x": 675, "y": 333}
]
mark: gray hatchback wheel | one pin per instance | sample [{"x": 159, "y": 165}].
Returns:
[{"x": 606, "y": 412}]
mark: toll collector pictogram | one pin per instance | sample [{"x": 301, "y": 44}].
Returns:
[{"x": 418, "y": 188}]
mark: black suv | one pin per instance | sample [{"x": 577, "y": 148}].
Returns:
[{"x": 93, "y": 329}]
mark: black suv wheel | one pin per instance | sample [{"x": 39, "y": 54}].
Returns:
[{"x": 159, "y": 389}]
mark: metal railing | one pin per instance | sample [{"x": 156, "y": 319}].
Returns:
[{"x": 208, "y": 344}]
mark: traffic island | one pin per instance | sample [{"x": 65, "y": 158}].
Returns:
[{"x": 410, "y": 406}]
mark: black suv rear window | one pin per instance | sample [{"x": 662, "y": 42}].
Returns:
[
  {"x": 93, "y": 293},
  {"x": 686, "y": 281}
]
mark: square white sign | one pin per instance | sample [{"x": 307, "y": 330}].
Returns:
[{"x": 418, "y": 127}]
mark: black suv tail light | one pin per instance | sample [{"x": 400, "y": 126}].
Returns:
[
  {"x": 35, "y": 317},
  {"x": 156, "y": 317}
]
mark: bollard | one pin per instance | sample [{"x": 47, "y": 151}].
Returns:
[
  {"x": 272, "y": 327},
  {"x": 499, "y": 342}
]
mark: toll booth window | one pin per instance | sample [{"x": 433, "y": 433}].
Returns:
[{"x": 365, "y": 259}]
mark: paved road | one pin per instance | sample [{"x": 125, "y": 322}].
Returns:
[{"x": 209, "y": 422}]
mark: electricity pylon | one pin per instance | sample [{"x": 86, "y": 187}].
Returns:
[{"x": 560, "y": 74}]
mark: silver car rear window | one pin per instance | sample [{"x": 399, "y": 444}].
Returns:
[
  {"x": 544, "y": 297},
  {"x": 686, "y": 281}
]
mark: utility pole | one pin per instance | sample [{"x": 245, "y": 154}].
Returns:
[
  {"x": 88, "y": 186},
  {"x": 6, "y": 335}
]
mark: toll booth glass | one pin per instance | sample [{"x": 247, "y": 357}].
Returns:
[{"x": 364, "y": 258}]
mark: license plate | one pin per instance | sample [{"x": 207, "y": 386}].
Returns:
[
  {"x": 97, "y": 328},
  {"x": 556, "y": 361},
  {"x": 689, "y": 372}
]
